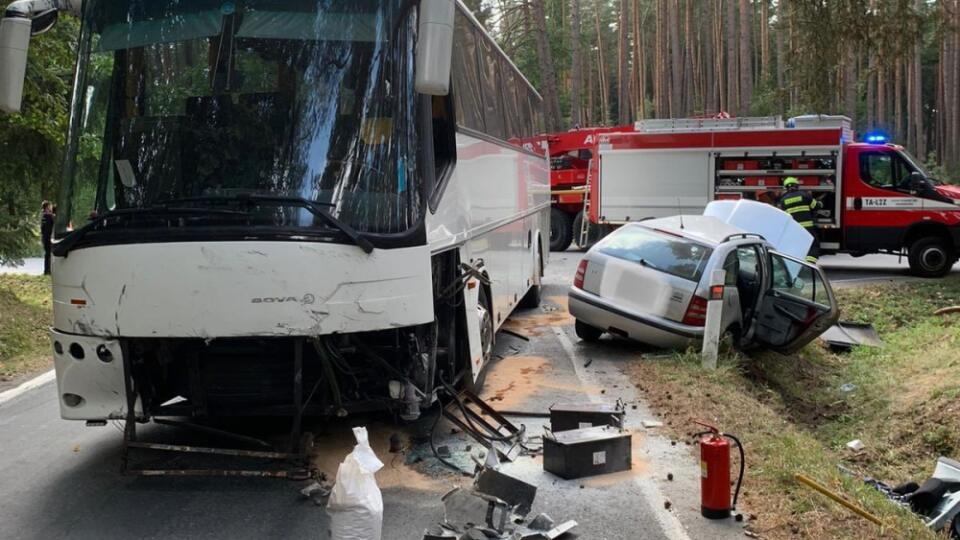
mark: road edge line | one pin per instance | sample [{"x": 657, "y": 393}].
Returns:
[{"x": 27, "y": 386}]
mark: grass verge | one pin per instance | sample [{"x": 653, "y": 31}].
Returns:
[
  {"x": 25, "y": 316},
  {"x": 795, "y": 414}
]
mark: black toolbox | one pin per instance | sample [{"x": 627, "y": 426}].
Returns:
[
  {"x": 567, "y": 416},
  {"x": 586, "y": 452}
]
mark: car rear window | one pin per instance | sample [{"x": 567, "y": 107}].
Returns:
[{"x": 657, "y": 250}]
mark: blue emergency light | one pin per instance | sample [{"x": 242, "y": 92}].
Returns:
[{"x": 877, "y": 138}]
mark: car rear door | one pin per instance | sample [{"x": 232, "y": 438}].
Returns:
[{"x": 797, "y": 304}]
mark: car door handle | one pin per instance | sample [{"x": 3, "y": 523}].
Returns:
[{"x": 858, "y": 203}]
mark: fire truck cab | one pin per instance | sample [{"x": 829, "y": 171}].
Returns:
[{"x": 875, "y": 197}]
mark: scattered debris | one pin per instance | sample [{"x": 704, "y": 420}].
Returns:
[
  {"x": 542, "y": 522},
  {"x": 468, "y": 508},
  {"x": 848, "y": 387},
  {"x": 588, "y": 362},
  {"x": 947, "y": 310},
  {"x": 517, "y": 493},
  {"x": 837, "y": 498},
  {"x": 856, "y": 445},
  {"x": 667, "y": 504},
  {"x": 318, "y": 491},
  {"x": 484, "y": 424},
  {"x": 567, "y": 416},
  {"x": 514, "y": 333},
  {"x": 670, "y": 477},
  {"x": 844, "y": 336},
  {"x": 396, "y": 445},
  {"x": 652, "y": 424}
]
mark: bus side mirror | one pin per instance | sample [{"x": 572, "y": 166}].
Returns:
[
  {"x": 434, "y": 47},
  {"x": 14, "y": 44}
]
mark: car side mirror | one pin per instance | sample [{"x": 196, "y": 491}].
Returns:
[
  {"x": 434, "y": 47},
  {"x": 14, "y": 46},
  {"x": 917, "y": 181}
]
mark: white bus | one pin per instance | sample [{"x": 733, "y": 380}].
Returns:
[{"x": 275, "y": 207}]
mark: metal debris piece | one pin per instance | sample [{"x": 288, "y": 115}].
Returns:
[
  {"x": 542, "y": 522},
  {"x": 856, "y": 445},
  {"x": 484, "y": 424},
  {"x": 439, "y": 532},
  {"x": 848, "y": 387},
  {"x": 517, "y": 493},
  {"x": 529, "y": 533},
  {"x": 467, "y": 508},
  {"x": 316, "y": 490},
  {"x": 844, "y": 336},
  {"x": 652, "y": 424},
  {"x": 561, "y": 529}
]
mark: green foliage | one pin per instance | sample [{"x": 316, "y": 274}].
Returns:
[{"x": 32, "y": 142}]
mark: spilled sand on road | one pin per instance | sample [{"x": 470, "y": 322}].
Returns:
[
  {"x": 535, "y": 322},
  {"x": 330, "y": 449},
  {"x": 517, "y": 380}
]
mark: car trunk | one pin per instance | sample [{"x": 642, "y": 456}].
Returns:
[{"x": 638, "y": 288}]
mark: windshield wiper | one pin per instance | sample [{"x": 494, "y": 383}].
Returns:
[
  {"x": 63, "y": 247},
  {"x": 316, "y": 208}
]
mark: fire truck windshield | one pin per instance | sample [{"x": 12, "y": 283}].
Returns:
[{"x": 218, "y": 104}]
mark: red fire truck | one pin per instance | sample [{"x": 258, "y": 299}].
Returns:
[
  {"x": 875, "y": 197},
  {"x": 570, "y": 154}
]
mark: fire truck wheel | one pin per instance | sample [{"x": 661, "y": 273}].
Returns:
[
  {"x": 594, "y": 233},
  {"x": 930, "y": 257},
  {"x": 586, "y": 332},
  {"x": 561, "y": 230}
]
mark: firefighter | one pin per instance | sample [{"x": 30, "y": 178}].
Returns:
[{"x": 801, "y": 205}]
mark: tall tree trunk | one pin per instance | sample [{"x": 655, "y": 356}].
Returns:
[
  {"x": 953, "y": 89},
  {"x": 921, "y": 135},
  {"x": 591, "y": 90},
  {"x": 723, "y": 99},
  {"x": 659, "y": 99},
  {"x": 850, "y": 82},
  {"x": 623, "y": 70},
  {"x": 576, "y": 69},
  {"x": 872, "y": 90},
  {"x": 676, "y": 62},
  {"x": 730, "y": 28},
  {"x": 765, "y": 42},
  {"x": 689, "y": 89},
  {"x": 602, "y": 72},
  {"x": 639, "y": 63},
  {"x": 548, "y": 75},
  {"x": 746, "y": 58},
  {"x": 898, "y": 99}
]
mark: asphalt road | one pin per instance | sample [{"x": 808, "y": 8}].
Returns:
[{"x": 60, "y": 479}]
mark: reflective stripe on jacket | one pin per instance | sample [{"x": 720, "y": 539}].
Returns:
[{"x": 800, "y": 205}]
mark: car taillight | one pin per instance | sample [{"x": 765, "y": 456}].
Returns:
[
  {"x": 581, "y": 271},
  {"x": 696, "y": 314}
]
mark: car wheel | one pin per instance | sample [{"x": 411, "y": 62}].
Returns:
[
  {"x": 586, "y": 332},
  {"x": 487, "y": 339},
  {"x": 561, "y": 230},
  {"x": 930, "y": 257}
]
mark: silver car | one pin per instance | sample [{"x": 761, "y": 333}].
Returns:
[{"x": 650, "y": 281}]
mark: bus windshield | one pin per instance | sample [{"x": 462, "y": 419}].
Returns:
[{"x": 214, "y": 104}]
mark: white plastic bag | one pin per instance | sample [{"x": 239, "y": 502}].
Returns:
[{"x": 356, "y": 505}]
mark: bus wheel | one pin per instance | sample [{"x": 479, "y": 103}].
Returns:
[
  {"x": 534, "y": 294},
  {"x": 930, "y": 257},
  {"x": 561, "y": 231},
  {"x": 487, "y": 331}
]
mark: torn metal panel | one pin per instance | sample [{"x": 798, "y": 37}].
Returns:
[
  {"x": 847, "y": 335},
  {"x": 517, "y": 493},
  {"x": 467, "y": 508}
]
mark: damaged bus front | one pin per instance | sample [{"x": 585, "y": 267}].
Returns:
[{"x": 242, "y": 228}]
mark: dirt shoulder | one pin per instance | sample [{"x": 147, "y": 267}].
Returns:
[
  {"x": 795, "y": 414},
  {"x": 25, "y": 315}
]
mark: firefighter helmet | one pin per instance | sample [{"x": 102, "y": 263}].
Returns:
[{"x": 791, "y": 181}]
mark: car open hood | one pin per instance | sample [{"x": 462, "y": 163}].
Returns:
[{"x": 775, "y": 225}]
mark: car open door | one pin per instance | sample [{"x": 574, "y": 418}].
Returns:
[{"x": 797, "y": 305}]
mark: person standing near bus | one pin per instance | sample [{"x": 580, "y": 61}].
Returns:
[
  {"x": 801, "y": 205},
  {"x": 46, "y": 233}
]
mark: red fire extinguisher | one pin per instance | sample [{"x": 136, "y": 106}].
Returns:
[{"x": 715, "y": 472}]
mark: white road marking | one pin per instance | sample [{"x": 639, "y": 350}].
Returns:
[
  {"x": 27, "y": 386},
  {"x": 652, "y": 496}
]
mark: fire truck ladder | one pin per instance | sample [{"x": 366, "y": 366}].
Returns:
[{"x": 584, "y": 233}]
